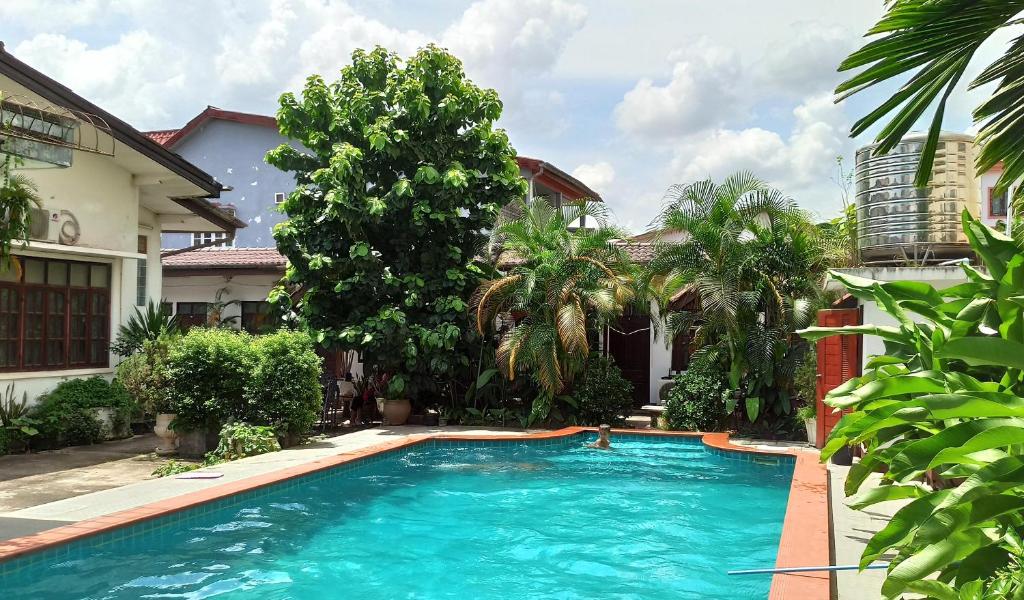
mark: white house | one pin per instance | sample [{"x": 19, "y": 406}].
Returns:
[{"x": 108, "y": 192}]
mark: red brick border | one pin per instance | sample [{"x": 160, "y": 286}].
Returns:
[{"x": 804, "y": 542}]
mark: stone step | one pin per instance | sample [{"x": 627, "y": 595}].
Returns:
[{"x": 638, "y": 422}]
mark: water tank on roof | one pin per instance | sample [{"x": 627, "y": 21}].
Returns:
[{"x": 898, "y": 223}]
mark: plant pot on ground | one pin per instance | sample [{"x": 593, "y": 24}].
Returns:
[
  {"x": 196, "y": 443},
  {"x": 167, "y": 438},
  {"x": 396, "y": 410},
  {"x": 808, "y": 414}
]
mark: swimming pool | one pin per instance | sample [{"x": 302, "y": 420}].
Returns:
[{"x": 657, "y": 517}]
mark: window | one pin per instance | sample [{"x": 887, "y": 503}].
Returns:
[
  {"x": 167, "y": 308},
  {"x": 140, "y": 279},
  {"x": 191, "y": 314},
  {"x": 209, "y": 237},
  {"x": 996, "y": 203},
  {"x": 54, "y": 315},
  {"x": 278, "y": 198},
  {"x": 258, "y": 317}
]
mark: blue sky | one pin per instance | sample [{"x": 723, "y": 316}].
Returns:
[{"x": 631, "y": 96}]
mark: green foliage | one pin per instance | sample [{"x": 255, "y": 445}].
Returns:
[
  {"x": 805, "y": 378},
  {"x": 696, "y": 402},
  {"x": 806, "y": 412},
  {"x": 563, "y": 283},
  {"x": 173, "y": 467},
  {"x": 17, "y": 427},
  {"x": 145, "y": 376},
  {"x": 239, "y": 440},
  {"x": 936, "y": 40},
  {"x": 756, "y": 263},
  {"x": 143, "y": 327},
  {"x": 943, "y": 405},
  {"x": 403, "y": 174},
  {"x": 603, "y": 396},
  {"x": 284, "y": 386},
  {"x": 65, "y": 415},
  {"x": 207, "y": 373}
]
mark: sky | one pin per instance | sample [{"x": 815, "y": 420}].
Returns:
[{"x": 630, "y": 96}]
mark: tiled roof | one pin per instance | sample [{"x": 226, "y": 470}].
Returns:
[
  {"x": 215, "y": 257},
  {"x": 161, "y": 136}
]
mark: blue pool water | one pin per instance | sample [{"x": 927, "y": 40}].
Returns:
[{"x": 653, "y": 518}]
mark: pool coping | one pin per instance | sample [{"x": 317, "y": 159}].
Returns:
[{"x": 804, "y": 541}]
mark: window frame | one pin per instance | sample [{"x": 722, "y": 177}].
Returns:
[
  {"x": 1006, "y": 204},
  {"x": 214, "y": 236},
  {"x": 61, "y": 313},
  {"x": 245, "y": 322},
  {"x": 187, "y": 320}
]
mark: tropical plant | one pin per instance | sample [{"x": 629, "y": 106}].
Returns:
[
  {"x": 757, "y": 264},
  {"x": 603, "y": 396},
  {"x": 207, "y": 374},
  {"x": 400, "y": 174},
  {"x": 941, "y": 414},
  {"x": 66, "y": 414},
  {"x": 16, "y": 425},
  {"x": 141, "y": 327},
  {"x": 560, "y": 284},
  {"x": 215, "y": 310},
  {"x": 936, "y": 41}
]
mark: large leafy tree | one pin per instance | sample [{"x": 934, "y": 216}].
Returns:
[
  {"x": 941, "y": 415},
  {"x": 935, "y": 41},
  {"x": 757, "y": 264},
  {"x": 559, "y": 285},
  {"x": 402, "y": 173}
]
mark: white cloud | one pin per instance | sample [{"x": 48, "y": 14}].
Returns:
[
  {"x": 174, "y": 59},
  {"x": 806, "y": 61},
  {"x": 704, "y": 90},
  {"x": 598, "y": 176},
  {"x": 801, "y": 164}
]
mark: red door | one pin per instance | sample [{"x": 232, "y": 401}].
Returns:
[
  {"x": 838, "y": 361},
  {"x": 629, "y": 343}
]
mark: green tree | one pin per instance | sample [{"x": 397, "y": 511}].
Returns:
[
  {"x": 935, "y": 41},
  {"x": 559, "y": 285},
  {"x": 757, "y": 264},
  {"x": 403, "y": 173}
]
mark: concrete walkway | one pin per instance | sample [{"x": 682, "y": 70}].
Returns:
[
  {"x": 40, "y": 510},
  {"x": 851, "y": 530}
]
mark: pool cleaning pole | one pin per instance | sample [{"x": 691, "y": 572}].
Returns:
[{"x": 808, "y": 569}]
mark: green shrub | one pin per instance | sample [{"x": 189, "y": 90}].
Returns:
[
  {"x": 604, "y": 396},
  {"x": 805, "y": 378},
  {"x": 283, "y": 389},
  {"x": 207, "y": 372},
  {"x": 695, "y": 402},
  {"x": 65, "y": 414},
  {"x": 239, "y": 440},
  {"x": 144, "y": 375}
]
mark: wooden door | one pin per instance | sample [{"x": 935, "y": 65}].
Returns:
[
  {"x": 838, "y": 361},
  {"x": 629, "y": 343}
]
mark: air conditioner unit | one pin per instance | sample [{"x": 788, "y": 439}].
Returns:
[{"x": 44, "y": 225}]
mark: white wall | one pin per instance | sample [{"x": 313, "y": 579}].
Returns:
[
  {"x": 661, "y": 361},
  {"x": 938, "y": 277}
]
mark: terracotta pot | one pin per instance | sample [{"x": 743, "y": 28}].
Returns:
[
  {"x": 168, "y": 439},
  {"x": 812, "y": 431},
  {"x": 396, "y": 412}
]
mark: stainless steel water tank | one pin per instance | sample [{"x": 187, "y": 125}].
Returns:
[{"x": 897, "y": 222}]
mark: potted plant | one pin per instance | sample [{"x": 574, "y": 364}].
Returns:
[
  {"x": 808, "y": 414},
  {"x": 395, "y": 407},
  {"x": 168, "y": 438}
]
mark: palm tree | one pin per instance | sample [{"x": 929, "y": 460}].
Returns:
[
  {"x": 936, "y": 40},
  {"x": 559, "y": 283},
  {"x": 757, "y": 264}
]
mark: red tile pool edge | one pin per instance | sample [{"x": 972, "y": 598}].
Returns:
[{"x": 804, "y": 542}]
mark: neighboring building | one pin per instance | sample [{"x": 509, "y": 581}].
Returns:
[{"x": 108, "y": 194}]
